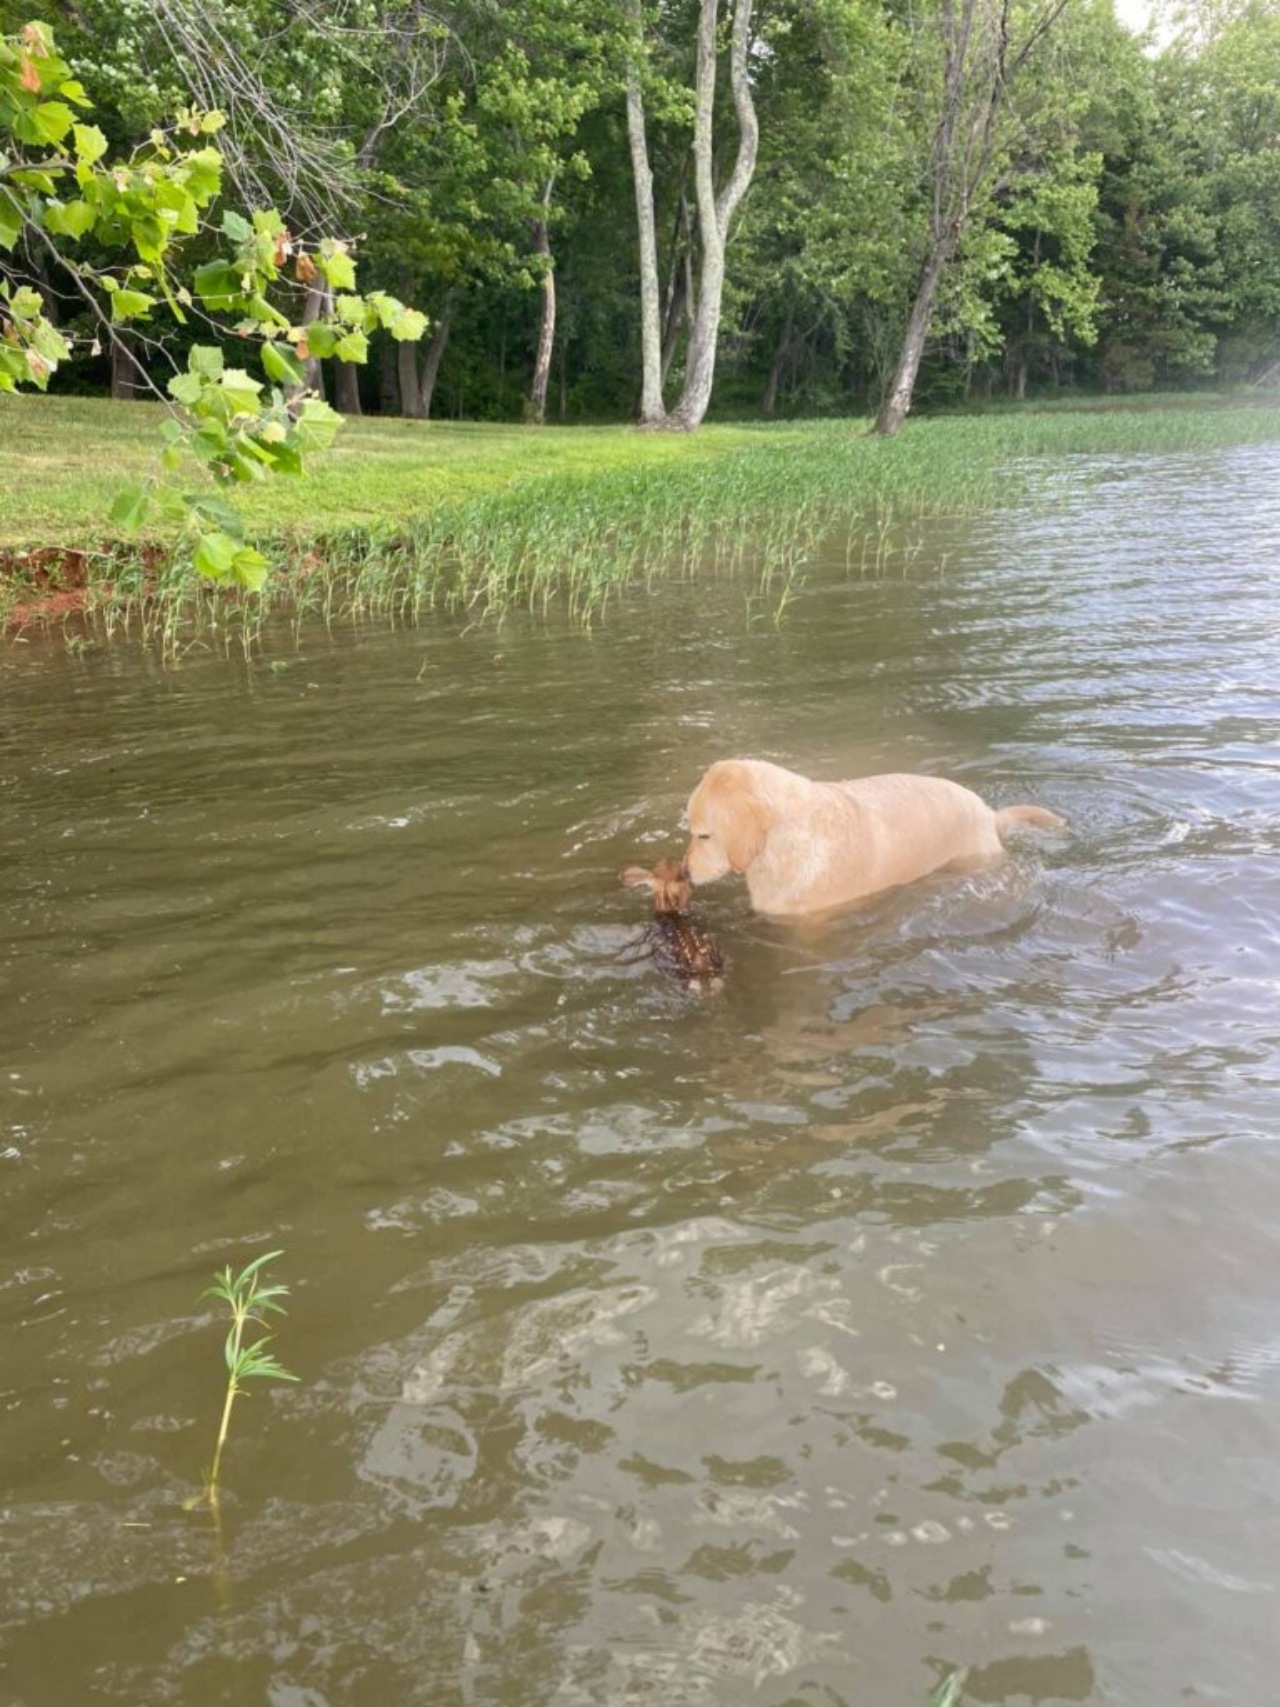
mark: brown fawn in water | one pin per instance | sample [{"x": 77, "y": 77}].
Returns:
[{"x": 671, "y": 937}]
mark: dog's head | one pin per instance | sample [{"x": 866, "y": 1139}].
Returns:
[
  {"x": 668, "y": 880},
  {"x": 729, "y": 821}
]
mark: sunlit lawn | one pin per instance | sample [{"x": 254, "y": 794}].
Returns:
[{"x": 62, "y": 459}]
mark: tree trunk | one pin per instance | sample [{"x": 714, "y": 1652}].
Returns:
[
  {"x": 979, "y": 63},
  {"x": 893, "y": 411},
  {"x": 434, "y": 356},
  {"x": 680, "y": 289},
  {"x": 313, "y": 308},
  {"x": 546, "y": 343},
  {"x": 679, "y": 278},
  {"x": 410, "y": 385},
  {"x": 125, "y": 373},
  {"x": 677, "y": 305},
  {"x": 652, "y": 410},
  {"x": 388, "y": 379},
  {"x": 547, "y": 329},
  {"x": 715, "y": 213},
  {"x": 346, "y": 387}
]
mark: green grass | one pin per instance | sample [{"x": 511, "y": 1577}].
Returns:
[
  {"x": 405, "y": 517},
  {"x": 62, "y": 459}
]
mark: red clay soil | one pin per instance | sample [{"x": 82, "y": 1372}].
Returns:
[{"x": 53, "y": 582}]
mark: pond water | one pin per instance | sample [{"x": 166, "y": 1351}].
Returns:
[{"x": 913, "y": 1302}]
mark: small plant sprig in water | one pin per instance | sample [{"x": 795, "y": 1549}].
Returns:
[
  {"x": 249, "y": 1299},
  {"x": 949, "y": 1691}
]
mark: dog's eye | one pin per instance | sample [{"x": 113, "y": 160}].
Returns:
[{"x": 702, "y": 836}]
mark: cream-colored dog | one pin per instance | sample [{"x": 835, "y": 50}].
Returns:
[{"x": 805, "y": 847}]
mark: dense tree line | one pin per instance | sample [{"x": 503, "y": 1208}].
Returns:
[{"x": 635, "y": 208}]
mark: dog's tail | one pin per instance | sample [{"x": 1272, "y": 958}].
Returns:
[{"x": 1012, "y": 817}]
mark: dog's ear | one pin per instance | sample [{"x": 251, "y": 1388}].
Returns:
[
  {"x": 743, "y": 824},
  {"x": 636, "y": 877}
]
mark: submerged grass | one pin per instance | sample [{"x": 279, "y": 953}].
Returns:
[{"x": 408, "y": 518}]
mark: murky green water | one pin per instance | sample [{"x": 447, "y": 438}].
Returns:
[{"x": 913, "y": 1303}]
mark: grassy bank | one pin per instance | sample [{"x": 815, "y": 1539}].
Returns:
[{"x": 403, "y": 517}]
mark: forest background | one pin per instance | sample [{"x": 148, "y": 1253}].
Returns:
[{"x": 1090, "y": 209}]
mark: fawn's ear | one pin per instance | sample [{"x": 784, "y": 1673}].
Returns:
[{"x": 636, "y": 877}]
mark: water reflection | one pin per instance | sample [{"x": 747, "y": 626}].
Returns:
[{"x": 907, "y": 1304}]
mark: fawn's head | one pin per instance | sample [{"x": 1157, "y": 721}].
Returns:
[{"x": 668, "y": 881}]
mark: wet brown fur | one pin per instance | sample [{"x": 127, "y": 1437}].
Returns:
[{"x": 671, "y": 937}]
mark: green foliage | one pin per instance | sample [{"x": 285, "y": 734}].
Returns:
[
  {"x": 1125, "y": 234},
  {"x": 250, "y": 1300},
  {"x": 137, "y": 215},
  {"x": 950, "y": 1692}
]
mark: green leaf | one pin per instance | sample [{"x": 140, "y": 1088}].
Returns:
[
  {"x": 285, "y": 458},
  {"x": 129, "y": 510},
  {"x": 69, "y": 219},
  {"x": 150, "y": 236},
  {"x": 260, "y": 313},
  {"x": 255, "y": 450},
  {"x": 206, "y": 360},
  {"x": 251, "y": 1268},
  {"x": 187, "y": 388},
  {"x": 91, "y": 145},
  {"x": 31, "y": 178},
  {"x": 177, "y": 205},
  {"x": 10, "y": 219},
  {"x": 317, "y": 425},
  {"x": 210, "y": 508},
  {"x": 218, "y": 284},
  {"x": 26, "y": 302},
  {"x": 355, "y": 311},
  {"x": 282, "y": 365},
  {"x": 322, "y": 340},
  {"x": 408, "y": 326},
  {"x": 251, "y": 569},
  {"x": 38, "y": 370},
  {"x": 209, "y": 442},
  {"x": 352, "y": 348},
  {"x": 131, "y": 305},
  {"x": 52, "y": 120},
  {"x": 242, "y": 393},
  {"x": 339, "y": 269},
  {"x": 48, "y": 342},
  {"x": 204, "y": 173},
  {"x": 236, "y": 226},
  {"x": 215, "y": 556},
  {"x": 949, "y": 1691},
  {"x": 246, "y": 463}
]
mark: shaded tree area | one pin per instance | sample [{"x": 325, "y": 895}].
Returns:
[{"x": 660, "y": 209}]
